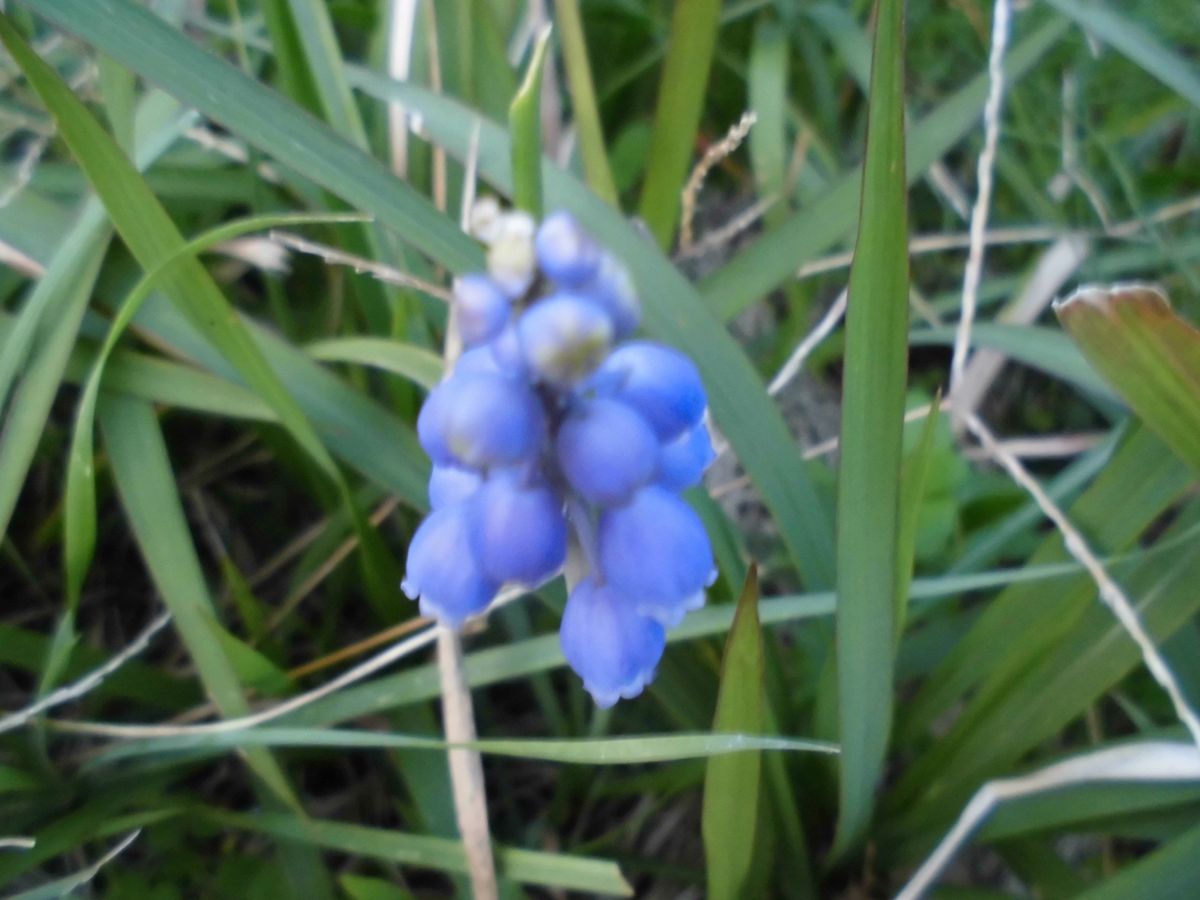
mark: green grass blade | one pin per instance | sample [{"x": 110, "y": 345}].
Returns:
[
  {"x": 617, "y": 751},
  {"x": 60, "y": 299},
  {"x": 417, "y": 364},
  {"x": 324, "y": 62},
  {"x": 79, "y": 526},
  {"x": 1148, "y": 353},
  {"x": 1129, "y": 37},
  {"x": 147, "y": 487},
  {"x": 583, "y": 101},
  {"x": 733, "y": 785},
  {"x": 1171, "y": 871},
  {"x": 554, "y": 870},
  {"x": 525, "y": 129},
  {"x": 872, "y": 429},
  {"x": 681, "y": 92},
  {"x": 767, "y": 76},
  {"x": 152, "y": 237},
  {"x": 140, "y": 40}
]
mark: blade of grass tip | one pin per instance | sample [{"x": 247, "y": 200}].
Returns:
[
  {"x": 733, "y": 784},
  {"x": 152, "y": 237},
  {"x": 583, "y": 101},
  {"x": 417, "y": 364},
  {"x": 525, "y": 127},
  {"x": 872, "y": 431},
  {"x": 79, "y": 524},
  {"x": 913, "y": 476},
  {"x": 681, "y": 93}
]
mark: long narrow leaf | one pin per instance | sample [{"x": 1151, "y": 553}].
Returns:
[{"x": 872, "y": 428}]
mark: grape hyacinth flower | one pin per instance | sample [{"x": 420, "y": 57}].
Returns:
[{"x": 555, "y": 428}]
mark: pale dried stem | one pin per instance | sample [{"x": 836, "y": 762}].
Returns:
[
  {"x": 1144, "y": 762},
  {"x": 359, "y": 264},
  {"x": 15, "y": 259},
  {"x": 89, "y": 682},
  {"x": 25, "y": 168},
  {"x": 17, "y": 842},
  {"x": 363, "y": 670},
  {"x": 717, "y": 152},
  {"x": 979, "y": 213},
  {"x": 435, "y": 85},
  {"x": 1110, "y": 591},
  {"x": 323, "y": 571},
  {"x": 1032, "y": 234},
  {"x": 466, "y": 766},
  {"x": 231, "y": 150},
  {"x": 401, "y": 28}
]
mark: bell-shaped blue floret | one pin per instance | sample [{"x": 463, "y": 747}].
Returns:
[
  {"x": 681, "y": 463},
  {"x": 566, "y": 253},
  {"x": 518, "y": 530},
  {"x": 442, "y": 572},
  {"x": 449, "y": 485},
  {"x": 608, "y": 643},
  {"x": 478, "y": 421},
  {"x": 659, "y": 382},
  {"x": 612, "y": 290},
  {"x": 655, "y": 550},
  {"x": 482, "y": 308},
  {"x": 478, "y": 360},
  {"x": 563, "y": 338},
  {"x": 606, "y": 451}
]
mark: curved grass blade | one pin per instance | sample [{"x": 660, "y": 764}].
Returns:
[
  {"x": 79, "y": 527},
  {"x": 153, "y": 238},
  {"x": 61, "y": 298},
  {"x": 872, "y": 430},
  {"x": 417, "y": 364}
]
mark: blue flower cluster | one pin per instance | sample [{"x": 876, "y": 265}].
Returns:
[{"x": 556, "y": 427}]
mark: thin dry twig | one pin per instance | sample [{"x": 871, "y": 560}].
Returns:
[
  {"x": 1110, "y": 592},
  {"x": 979, "y": 214},
  {"x": 359, "y": 264},
  {"x": 401, "y": 28},
  {"x": 89, "y": 682},
  {"x": 466, "y": 765},
  {"x": 812, "y": 340},
  {"x": 17, "y": 842},
  {"x": 15, "y": 259},
  {"x": 1029, "y": 234},
  {"x": 25, "y": 168},
  {"x": 323, "y": 571},
  {"x": 713, "y": 155},
  {"x": 1142, "y": 762},
  {"x": 351, "y": 676}
]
